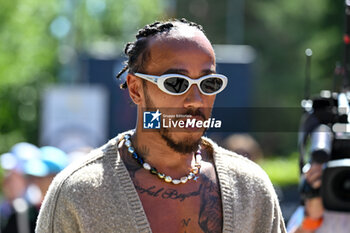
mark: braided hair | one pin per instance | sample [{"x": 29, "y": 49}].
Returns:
[{"x": 137, "y": 51}]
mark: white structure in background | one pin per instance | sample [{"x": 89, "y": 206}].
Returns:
[{"x": 74, "y": 117}]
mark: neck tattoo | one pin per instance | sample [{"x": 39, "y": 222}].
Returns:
[{"x": 193, "y": 174}]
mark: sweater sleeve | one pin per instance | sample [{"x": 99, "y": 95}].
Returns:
[
  {"x": 265, "y": 204},
  {"x": 278, "y": 221},
  {"x": 249, "y": 196},
  {"x": 268, "y": 199},
  {"x": 56, "y": 214}
]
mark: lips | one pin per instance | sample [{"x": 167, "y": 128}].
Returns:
[
  {"x": 196, "y": 113},
  {"x": 196, "y": 118}
]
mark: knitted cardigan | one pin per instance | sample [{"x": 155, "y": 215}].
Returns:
[{"x": 98, "y": 195}]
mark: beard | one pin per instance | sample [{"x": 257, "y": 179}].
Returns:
[
  {"x": 184, "y": 146},
  {"x": 187, "y": 144}
]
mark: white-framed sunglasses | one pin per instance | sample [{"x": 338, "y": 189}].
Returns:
[{"x": 177, "y": 84}]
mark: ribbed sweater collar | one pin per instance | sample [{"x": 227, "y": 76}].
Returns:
[{"x": 135, "y": 203}]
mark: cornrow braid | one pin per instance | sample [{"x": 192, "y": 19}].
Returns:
[{"x": 137, "y": 51}]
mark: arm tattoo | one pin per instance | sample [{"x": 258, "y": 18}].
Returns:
[{"x": 210, "y": 214}]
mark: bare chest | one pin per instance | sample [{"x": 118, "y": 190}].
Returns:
[{"x": 187, "y": 209}]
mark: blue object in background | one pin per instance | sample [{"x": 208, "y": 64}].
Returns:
[
  {"x": 51, "y": 161},
  {"x": 18, "y": 155}
]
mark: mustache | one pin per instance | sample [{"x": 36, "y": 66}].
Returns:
[{"x": 195, "y": 113}]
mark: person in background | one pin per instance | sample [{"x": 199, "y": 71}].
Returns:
[
  {"x": 41, "y": 171},
  {"x": 30, "y": 171},
  {"x": 312, "y": 217},
  {"x": 165, "y": 180},
  {"x": 14, "y": 187},
  {"x": 244, "y": 144}
]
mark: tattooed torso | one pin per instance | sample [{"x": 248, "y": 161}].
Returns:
[{"x": 187, "y": 208}]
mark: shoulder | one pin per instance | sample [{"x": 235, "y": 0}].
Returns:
[
  {"x": 88, "y": 174},
  {"x": 239, "y": 169},
  {"x": 247, "y": 189},
  {"x": 77, "y": 188},
  {"x": 89, "y": 169}
]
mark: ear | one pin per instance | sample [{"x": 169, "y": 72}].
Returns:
[{"x": 135, "y": 88}]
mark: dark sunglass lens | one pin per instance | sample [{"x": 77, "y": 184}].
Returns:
[
  {"x": 176, "y": 84},
  {"x": 211, "y": 85}
]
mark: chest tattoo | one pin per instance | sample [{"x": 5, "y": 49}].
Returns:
[
  {"x": 210, "y": 214},
  {"x": 167, "y": 193}
]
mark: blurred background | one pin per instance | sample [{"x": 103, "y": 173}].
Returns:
[{"x": 58, "y": 60}]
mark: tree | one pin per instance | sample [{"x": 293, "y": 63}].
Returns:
[{"x": 34, "y": 39}]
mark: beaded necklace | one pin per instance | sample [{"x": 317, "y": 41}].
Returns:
[{"x": 192, "y": 174}]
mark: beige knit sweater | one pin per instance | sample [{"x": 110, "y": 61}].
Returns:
[{"x": 98, "y": 195}]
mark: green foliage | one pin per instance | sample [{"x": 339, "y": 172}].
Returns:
[
  {"x": 26, "y": 49},
  {"x": 27, "y": 61},
  {"x": 31, "y": 57},
  {"x": 211, "y": 14},
  {"x": 117, "y": 22},
  {"x": 283, "y": 171},
  {"x": 280, "y": 31}
]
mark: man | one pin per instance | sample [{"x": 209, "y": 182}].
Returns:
[
  {"x": 17, "y": 211},
  {"x": 29, "y": 172},
  {"x": 165, "y": 180}
]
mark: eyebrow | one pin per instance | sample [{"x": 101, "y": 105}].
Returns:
[{"x": 185, "y": 72}]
